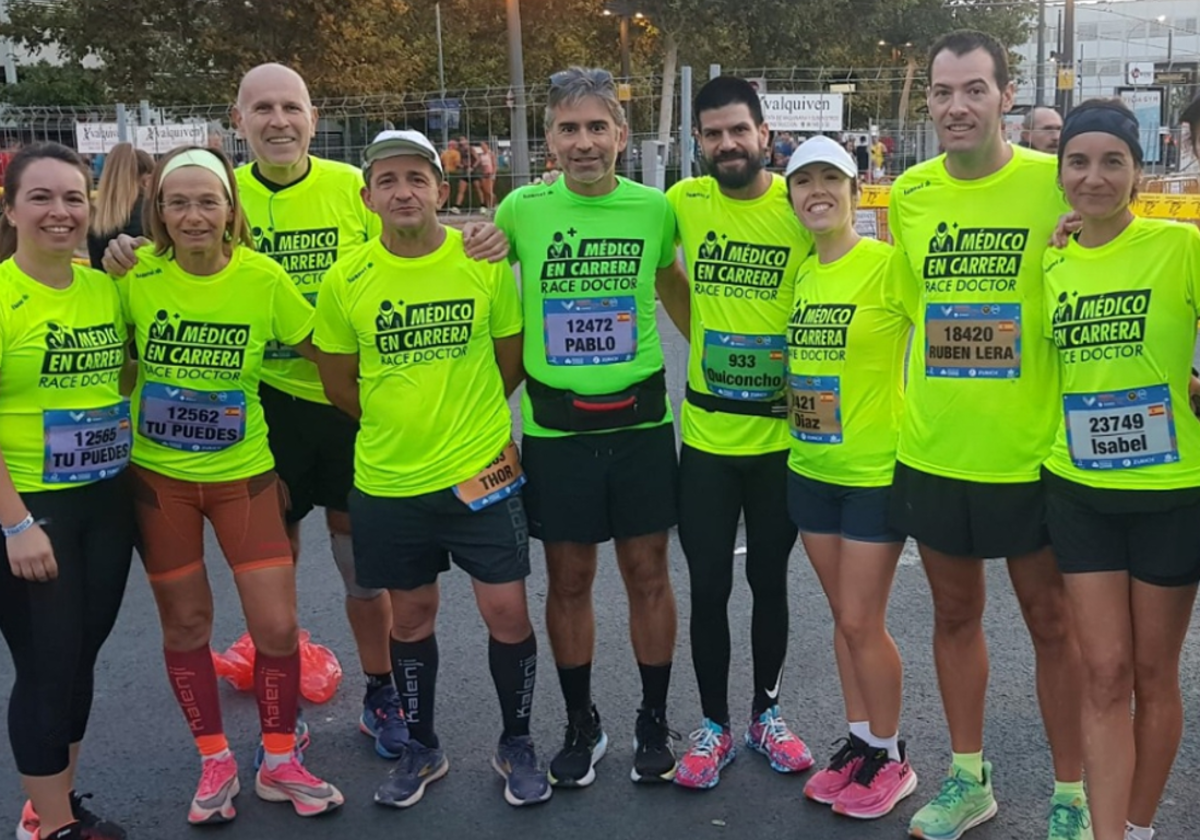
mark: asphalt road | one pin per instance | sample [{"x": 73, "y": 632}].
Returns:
[{"x": 140, "y": 763}]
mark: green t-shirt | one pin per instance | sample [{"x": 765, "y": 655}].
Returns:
[
  {"x": 1123, "y": 319},
  {"x": 587, "y": 281},
  {"x": 742, "y": 259},
  {"x": 200, "y": 340},
  {"x": 305, "y": 227},
  {"x": 433, "y": 407},
  {"x": 62, "y": 420},
  {"x": 969, "y": 257},
  {"x": 846, "y": 369}
]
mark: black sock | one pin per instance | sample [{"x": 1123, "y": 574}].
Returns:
[
  {"x": 514, "y": 671},
  {"x": 378, "y": 681},
  {"x": 415, "y": 666},
  {"x": 576, "y": 687},
  {"x": 656, "y": 679},
  {"x": 71, "y": 831}
]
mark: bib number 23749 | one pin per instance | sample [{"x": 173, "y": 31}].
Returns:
[{"x": 1121, "y": 430}]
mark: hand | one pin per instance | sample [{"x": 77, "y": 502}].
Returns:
[
  {"x": 485, "y": 241},
  {"x": 119, "y": 257},
  {"x": 31, "y": 556},
  {"x": 1067, "y": 225}
]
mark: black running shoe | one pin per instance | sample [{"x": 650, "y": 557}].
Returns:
[
  {"x": 91, "y": 826},
  {"x": 583, "y": 746},
  {"x": 653, "y": 758}
]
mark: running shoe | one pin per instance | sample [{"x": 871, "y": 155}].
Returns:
[
  {"x": 417, "y": 766},
  {"x": 878, "y": 786},
  {"x": 383, "y": 720},
  {"x": 1070, "y": 819},
  {"x": 525, "y": 783},
  {"x": 303, "y": 739},
  {"x": 653, "y": 758},
  {"x": 961, "y": 804},
  {"x": 91, "y": 826},
  {"x": 826, "y": 785},
  {"x": 290, "y": 782},
  {"x": 213, "y": 802},
  {"x": 583, "y": 746},
  {"x": 711, "y": 751},
  {"x": 769, "y": 735}
]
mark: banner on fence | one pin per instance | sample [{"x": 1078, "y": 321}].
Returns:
[
  {"x": 95, "y": 138},
  {"x": 802, "y": 111},
  {"x": 160, "y": 139}
]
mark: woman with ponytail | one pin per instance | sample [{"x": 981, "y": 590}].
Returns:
[{"x": 119, "y": 198}]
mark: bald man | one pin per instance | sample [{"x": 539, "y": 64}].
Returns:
[
  {"x": 306, "y": 212},
  {"x": 1041, "y": 129}
]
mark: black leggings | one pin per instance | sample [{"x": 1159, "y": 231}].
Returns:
[
  {"x": 54, "y": 630},
  {"x": 714, "y": 490}
]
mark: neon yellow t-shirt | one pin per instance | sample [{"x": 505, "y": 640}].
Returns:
[
  {"x": 200, "y": 340},
  {"x": 62, "y": 420},
  {"x": 587, "y": 281},
  {"x": 969, "y": 257},
  {"x": 846, "y": 369},
  {"x": 1123, "y": 319},
  {"x": 742, "y": 259},
  {"x": 305, "y": 227},
  {"x": 433, "y": 407}
]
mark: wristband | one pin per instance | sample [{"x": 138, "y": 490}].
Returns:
[{"x": 20, "y": 528}]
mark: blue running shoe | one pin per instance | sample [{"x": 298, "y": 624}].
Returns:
[
  {"x": 302, "y": 741},
  {"x": 417, "y": 766},
  {"x": 383, "y": 720},
  {"x": 525, "y": 782}
]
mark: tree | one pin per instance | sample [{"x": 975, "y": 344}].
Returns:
[{"x": 44, "y": 84}]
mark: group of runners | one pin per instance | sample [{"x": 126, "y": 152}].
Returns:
[{"x": 309, "y": 335}]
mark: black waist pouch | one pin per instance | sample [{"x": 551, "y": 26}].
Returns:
[{"x": 567, "y": 411}]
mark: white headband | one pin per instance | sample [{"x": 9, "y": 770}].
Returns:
[{"x": 203, "y": 158}]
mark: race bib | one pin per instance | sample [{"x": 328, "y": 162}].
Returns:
[
  {"x": 744, "y": 367},
  {"x": 591, "y": 331},
  {"x": 192, "y": 421},
  {"x": 975, "y": 341},
  {"x": 86, "y": 445},
  {"x": 1121, "y": 430},
  {"x": 498, "y": 480},
  {"x": 815, "y": 408}
]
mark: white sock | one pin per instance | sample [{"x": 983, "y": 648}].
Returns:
[
  {"x": 276, "y": 760},
  {"x": 221, "y": 756},
  {"x": 892, "y": 745},
  {"x": 1138, "y": 832},
  {"x": 860, "y": 729}
]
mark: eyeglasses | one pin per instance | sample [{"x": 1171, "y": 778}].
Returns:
[
  {"x": 597, "y": 77},
  {"x": 180, "y": 206}
]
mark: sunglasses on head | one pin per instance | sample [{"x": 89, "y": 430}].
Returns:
[{"x": 596, "y": 77}]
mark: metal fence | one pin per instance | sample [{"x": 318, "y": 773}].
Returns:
[{"x": 871, "y": 98}]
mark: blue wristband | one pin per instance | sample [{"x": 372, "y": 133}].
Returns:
[{"x": 20, "y": 528}]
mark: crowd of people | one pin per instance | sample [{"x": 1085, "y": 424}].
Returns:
[{"x": 287, "y": 335}]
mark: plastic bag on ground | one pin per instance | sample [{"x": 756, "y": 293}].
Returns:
[{"x": 320, "y": 671}]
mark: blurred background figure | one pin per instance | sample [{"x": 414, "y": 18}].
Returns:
[{"x": 119, "y": 196}]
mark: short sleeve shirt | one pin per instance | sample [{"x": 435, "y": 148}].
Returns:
[
  {"x": 588, "y": 269},
  {"x": 433, "y": 407},
  {"x": 196, "y": 411}
]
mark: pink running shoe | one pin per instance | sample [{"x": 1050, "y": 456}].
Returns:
[
  {"x": 30, "y": 822},
  {"x": 770, "y": 736},
  {"x": 826, "y": 785},
  {"x": 878, "y": 786},
  {"x": 711, "y": 750},
  {"x": 290, "y": 782},
  {"x": 213, "y": 802}
]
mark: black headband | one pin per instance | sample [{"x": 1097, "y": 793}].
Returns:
[{"x": 1107, "y": 121}]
